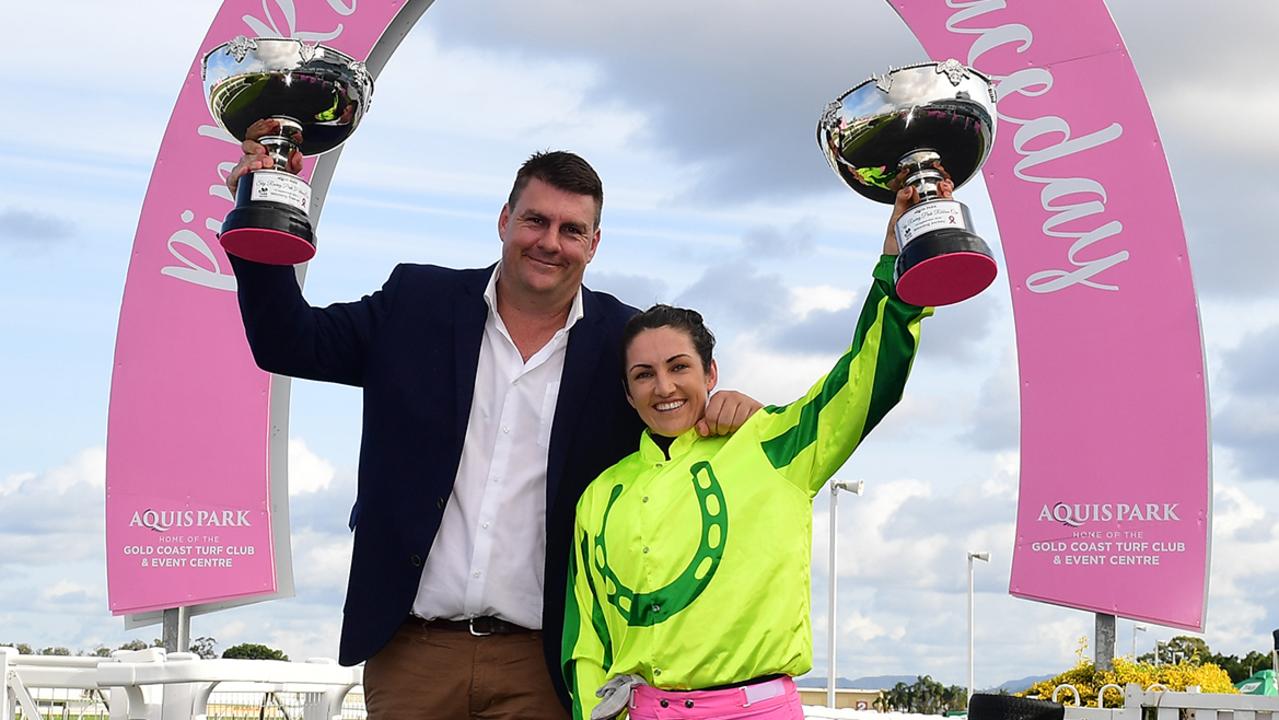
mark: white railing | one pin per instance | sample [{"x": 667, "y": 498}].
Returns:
[
  {"x": 150, "y": 684},
  {"x": 1167, "y": 705}
]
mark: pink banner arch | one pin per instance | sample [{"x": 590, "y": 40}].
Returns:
[
  {"x": 1114, "y": 509},
  {"x": 197, "y": 435}
]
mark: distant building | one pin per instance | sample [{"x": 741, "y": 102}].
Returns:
[{"x": 853, "y": 699}]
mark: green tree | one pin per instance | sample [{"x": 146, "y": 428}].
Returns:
[
  {"x": 22, "y": 648},
  {"x": 253, "y": 651},
  {"x": 205, "y": 647},
  {"x": 55, "y": 651},
  {"x": 924, "y": 696},
  {"x": 1240, "y": 668},
  {"x": 1181, "y": 648},
  {"x": 135, "y": 645}
]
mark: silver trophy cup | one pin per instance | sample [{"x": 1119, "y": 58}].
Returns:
[
  {"x": 312, "y": 97},
  {"x": 917, "y": 126}
]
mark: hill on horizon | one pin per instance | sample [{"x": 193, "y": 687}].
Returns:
[{"x": 884, "y": 682}]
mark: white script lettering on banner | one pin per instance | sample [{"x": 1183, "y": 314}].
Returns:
[{"x": 1032, "y": 83}]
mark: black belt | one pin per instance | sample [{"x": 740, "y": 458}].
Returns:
[
  {"x": 477, "y": 626},
  {"x": 744, "y": 683}
]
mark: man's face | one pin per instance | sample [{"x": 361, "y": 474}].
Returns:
[{"x": 547, "y": 239}]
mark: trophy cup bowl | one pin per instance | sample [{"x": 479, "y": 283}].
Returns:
[
  {"x": 317, "y": 96},
  {"x": 919, "y": 125}
]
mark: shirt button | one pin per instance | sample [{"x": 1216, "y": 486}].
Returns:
[
  {"x": 657, "y": 671},
  {"x": 664, "y": 702},
  {"x": 475, "y": 574},
  {"x": 485, "y": 526},
  {"x": 645, "y": 549},
  {"x": 657, "y": 608},
  {"x": 506, "y": 429},
  {"x": 645, "y": 499},
  {"x": 440, "y": 502},
  {"x": 416, "y": 560}
]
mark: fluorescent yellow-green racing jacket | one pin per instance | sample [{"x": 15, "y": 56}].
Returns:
[{"x": 693, "y": 571}]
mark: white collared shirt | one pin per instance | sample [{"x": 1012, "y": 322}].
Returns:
[{"x": 489, "y": 553}]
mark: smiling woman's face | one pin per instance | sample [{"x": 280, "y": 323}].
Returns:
[{"x": 665, "y": 380}]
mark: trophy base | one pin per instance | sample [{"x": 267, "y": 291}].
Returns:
[
  {"x": 269, "y": 247},
  {"x": 272, "y": 232},
  {"x": 944, "y": 267}
]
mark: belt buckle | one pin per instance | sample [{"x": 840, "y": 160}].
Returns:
[{"x": 470, "y": 625}]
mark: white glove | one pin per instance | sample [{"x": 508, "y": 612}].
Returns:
[{"x": 616, "y": 694}]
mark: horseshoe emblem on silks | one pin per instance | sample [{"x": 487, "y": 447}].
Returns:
[{"x": 643, "y": 609}]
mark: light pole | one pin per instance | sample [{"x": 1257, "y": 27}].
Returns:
[
  {"x": 1135, "y": 629},
  {"x": 856, "y": 489},
  {"x": 984, "y": 557}
]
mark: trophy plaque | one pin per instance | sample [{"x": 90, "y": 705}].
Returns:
[
  {"x": 311, "y": 97},
  {"x": 917, "y": 126}
]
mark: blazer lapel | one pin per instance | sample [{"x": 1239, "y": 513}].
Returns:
[
  {"x": 581, "y": 361},
  {"x": 468, "y": 332}
]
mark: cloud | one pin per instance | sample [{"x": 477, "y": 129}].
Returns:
[
  {"x": 963, "y": 332},
  {"x": 744, "y": 119},
  {"x": 770, "y": 241},
  {"x": 903, "y": 581},
  {"x": 995, "y": 422},
  {"x": 308, "y": 472},
  {"x": 55, "y": 589},
  {"x": 640, "y": 291},
  {"x": 1250, "y": 368},
  {"x": 32, "y": 230},
  {"x": 820, "y": 331},
  {"x": 70, "y": 596},
  {"x": 736, "y": 89},
  {"x": 1246, "y": 419},
  {"x": 1221, "y": 210},
  {"x": 735, "y": 293},
  {"x": 64, "y": 502}
]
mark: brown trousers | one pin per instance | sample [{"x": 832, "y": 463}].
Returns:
[{"x": 430, "y": 674}]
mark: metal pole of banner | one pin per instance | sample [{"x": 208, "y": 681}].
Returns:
[
  {"x": 177, "y": 630},
  {"x": 1104, "y": 656},
  {"x": 830, "y": 607},
  {"x": 855, "y": 488},
  {"x": 984, "y": 557}
]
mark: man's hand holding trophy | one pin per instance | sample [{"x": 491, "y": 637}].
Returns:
[{"x": 282, "y": 99}]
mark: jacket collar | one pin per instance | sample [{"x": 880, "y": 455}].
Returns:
[{"x": 651, "y": 454}]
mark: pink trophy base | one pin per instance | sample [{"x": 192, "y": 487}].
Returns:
[
  {"x": 270, "y": 247},
  {"x": 946, "y": 279}
]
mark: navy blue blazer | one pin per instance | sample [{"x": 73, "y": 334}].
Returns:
[{"x": 413, "y": 347}]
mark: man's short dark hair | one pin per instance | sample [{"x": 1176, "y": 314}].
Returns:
[{"x": 564, "y": 171}]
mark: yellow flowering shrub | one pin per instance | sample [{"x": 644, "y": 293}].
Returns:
[{"x": 1087, "y": 680}]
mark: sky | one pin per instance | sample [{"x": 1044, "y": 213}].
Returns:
[{"x": 699, "y": 117}]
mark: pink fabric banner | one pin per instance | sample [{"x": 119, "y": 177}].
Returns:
[
  {"x": 197, "y": 434},
  {"x": 1114, "y": 510}
]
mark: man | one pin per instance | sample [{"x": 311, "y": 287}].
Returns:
[{"x": 491, "y": 398}]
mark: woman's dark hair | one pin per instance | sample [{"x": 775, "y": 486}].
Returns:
[{"x": 689, "y": 321}]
